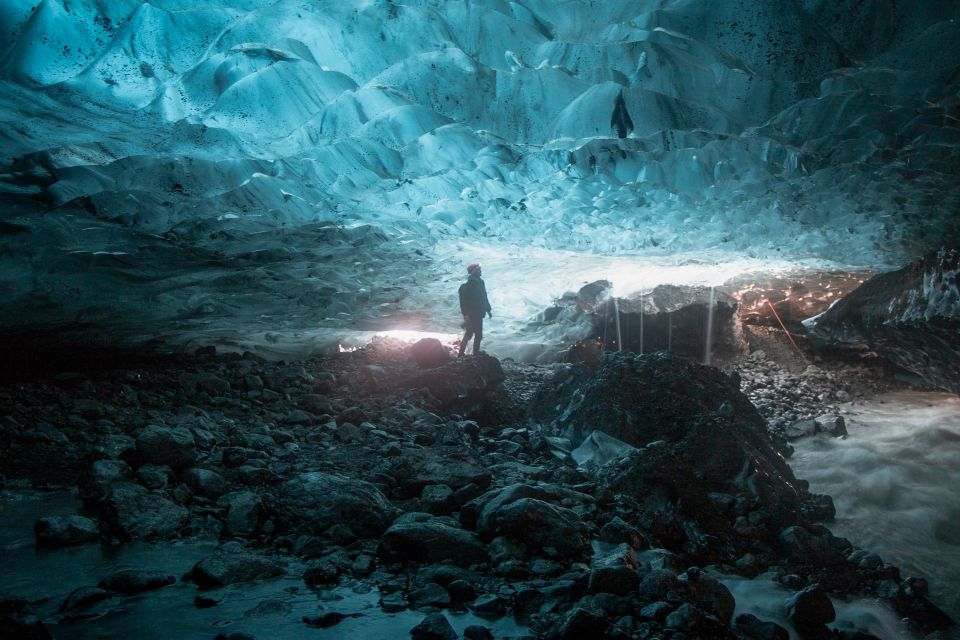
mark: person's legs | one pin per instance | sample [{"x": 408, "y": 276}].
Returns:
[
  {"x": 468, "y": 333},
  {"x": 478, "y": 330}
]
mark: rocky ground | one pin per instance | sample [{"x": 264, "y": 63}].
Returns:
[{"x": 451, "y": 485}]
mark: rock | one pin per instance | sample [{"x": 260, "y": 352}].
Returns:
[
  {"x": 749, "y": 627},
  {"x": 429, "y": 353},
  {"x": 59, "y": 531},
  {"x": 173, "y": 446},
  {"x": 321, "y": 573},
  {"x": 418, "y": 469},
  {"x": 431, "y": 541},
  {"x": 656, "y": 611},
  {"x": 581, "y": 623},
  {"x": 810, "y": 608},
  {"x": 660, "y": 584},
  {"x": 244, "y": 512},
  {"x": 430, "y": 595},
  {"x": 236, "y": 635},
  {"x": 434, "y": 627},
  {"x": 363, "y": 565},
  {"x": 490, "y": 605},
  {"x": 231, "y": 564},
  {"x": 153, "y": 476},
  {"x": 132, "y": 581},
  {"x": 133, "y": 513},
  {"x": 461, "y": 384},
  {"x": 686, "y": 616},
  {"x": 313, "y": 502},
  {"x": 353, "y": 415},
  {"x": 910, "y": 316},
  {"x": 84, "y": 597},
  {"x": 317, "y": 404},
  {"x": 437, "y": 499},
  {"x": 329, "y": 619},
  {"x": 800, "y": 429},
  {"x": 204, "y": 482},
  {"x": 814, "y": 546},
  {"x": 614, "y": 571},
  {"x": 833, "y": 424},
  {"x": 96, "y": 481},
  {"x": 477, "y": 632},
  {"x": 617, "y": 531},
  {"x": 537, "y": 523},
  {"x": 708, "y": 594}
]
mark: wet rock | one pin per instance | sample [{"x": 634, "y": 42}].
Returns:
[
  {"x": 434, "y": 627},
  {"x": 321, "y": 573},
  {"x": 477, "y": 632},
  {"x": 204, "y": 482},
  {"x": 231, "y": 564},
  {"x": 490, "y": 605},
  {"x": 582, "y": 623},
  {"x": 814, "y": 546},
  {"x": 153, "y": 476},
  {"x": 832, "y": 424},
  {"x": 909, "y": 599},
  {"x": 598, "y": 449},
  {"x": 749, "y": 627},
  {"x": 619, "y": 532},
  {"x": 134, "y": 513},
  {"x": 430, "y": 595},
  {"x": 614, "y": 571},
  {"x": 204, "y": 601},
  {"x": 173, "y": 446},
  {"x": 329, "y": 619},
  {"x": 910, "y": 316},
  {"x": 431, "y": 541},
  {"x": 132, "y": 581},
  {"x": 660, "y": 584},
  {"x": 244, "y": 512},
  {"x": 59, "y": 531},
  {"x": 429, "y": 353},
  {"x": 353, "y": 415},
  {"x": 317, "y": 404},
  {"x": 437, "y": 499},
  {"x": 800, "y": 429},
  {"x": 313, "y": 502},
  {"x": 709, "y": 594},
  {"x": 810, "y": 609},
  {"x": 84, "y": 597}
]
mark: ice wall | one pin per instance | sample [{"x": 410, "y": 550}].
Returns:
[{"x": 767, "y": 128}]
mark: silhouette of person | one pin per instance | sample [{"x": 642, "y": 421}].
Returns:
[{"x": 473, "y": 305}]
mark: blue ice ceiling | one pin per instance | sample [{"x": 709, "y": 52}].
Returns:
[{"x": 166, "y": 135}]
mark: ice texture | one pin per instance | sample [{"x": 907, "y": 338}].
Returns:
[{"x": 174, "y": 162}]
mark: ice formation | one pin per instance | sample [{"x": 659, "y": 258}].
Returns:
[{"x": 171, "y": 170}]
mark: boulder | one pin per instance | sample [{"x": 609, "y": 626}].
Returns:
[
  {"x": 134, "y": 513},
  {"x": 94, "y": 484},
  {"x": 84, "y": 597},
  {"x": 614, "y": 571},
  {"x": 244, "y": 511},
  {"x": 810, "y": 608},
  {"x": 429, "y": 353},
  {"x": 204, "y": 482},
  {"x": 311, "y": 503},
  {"x": 173, "y": 446},
  {"x": 709, "y": 594},
  {"x": 434, "y": 627},
  {"x": 130, "y": 581},
  {"x": 462, "y": 384},
  {"x": 231, "y": 564},
  {"x": 18, "y": 620},
  {"x": 431, "y": 541},
  {"x": 539, "y": 525},
  {"x": 417, "y": 469},
  {"x": 59, "y": 531},
  {"x": 751, "y": 627},
  {"x": 832, "y": 424},
  {"x": 910, "y": 317}
]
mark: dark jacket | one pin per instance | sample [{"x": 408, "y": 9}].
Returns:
[{"x": 473, "y": 297}]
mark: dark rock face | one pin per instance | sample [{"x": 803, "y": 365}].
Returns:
[
  {"x": 165, "y": 445},
  {"x": 434, "y": 627},
  {"x": 669, "y": 318},
  {"x": 910, "y": 316},
  {"x": 18, "y": 620},
  {"x": 430, "y": 540},
  {"x": 614, "y": 571},
  {"x": 313, "y": 502}
]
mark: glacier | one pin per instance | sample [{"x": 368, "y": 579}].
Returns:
[{"x": 280, "y": 175}]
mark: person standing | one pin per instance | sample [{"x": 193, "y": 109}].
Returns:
[{"x": 473, "y": 305}]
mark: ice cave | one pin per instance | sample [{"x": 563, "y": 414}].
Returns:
[{"x": 711, "y": 248}]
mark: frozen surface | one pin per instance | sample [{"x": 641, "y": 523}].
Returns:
[
  {"x": 896, "y": 485},
  {"x": 164, "y": 169}
]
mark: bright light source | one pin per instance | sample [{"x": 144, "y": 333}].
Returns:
[{"x": 413, "y": 336}]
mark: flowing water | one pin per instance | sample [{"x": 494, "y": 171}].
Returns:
[
  {"x": 895, "y": 481},
  {"x": 268, "y": 609}
]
